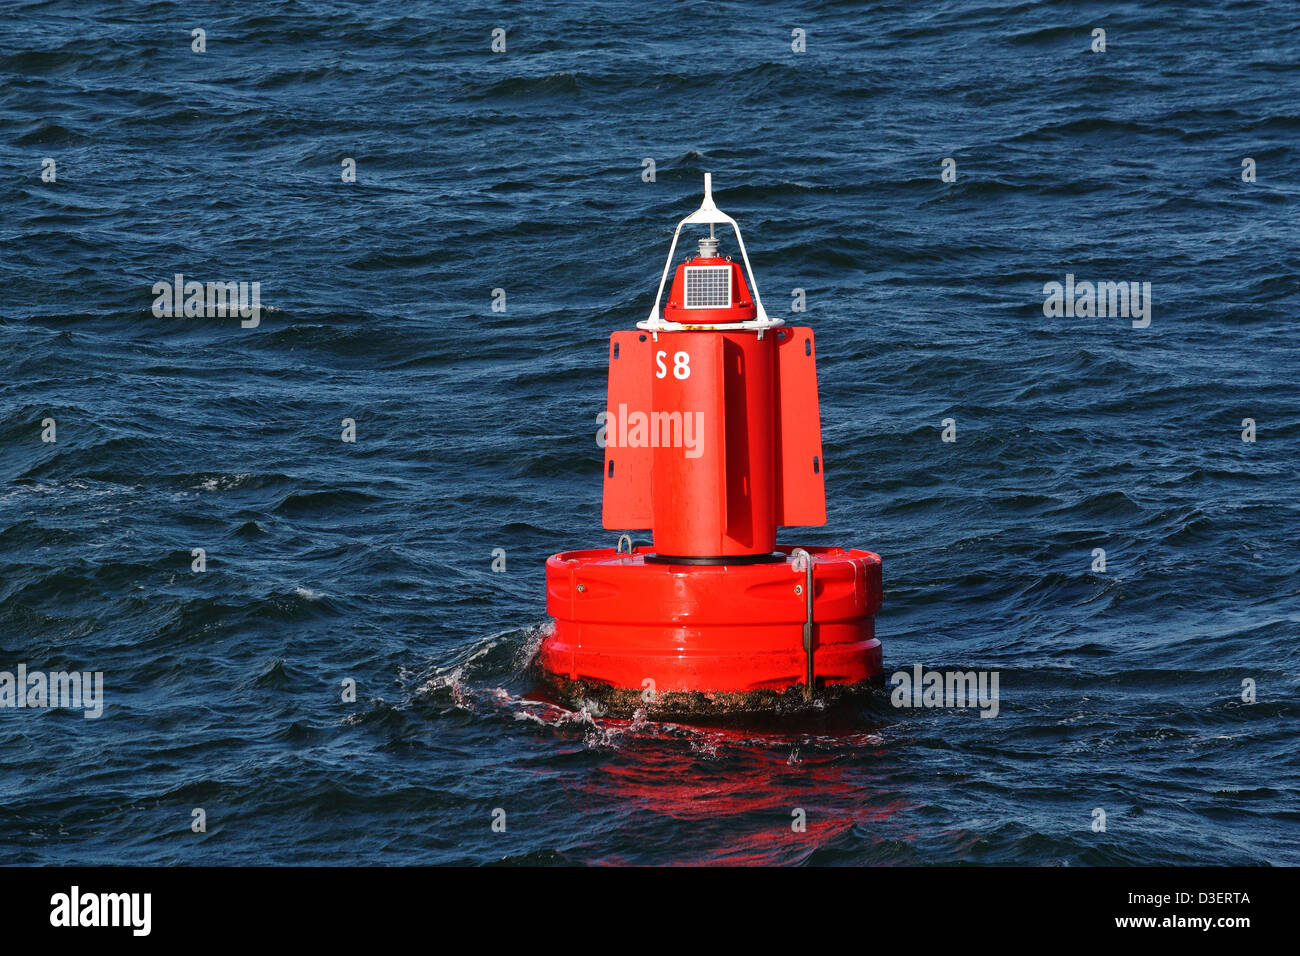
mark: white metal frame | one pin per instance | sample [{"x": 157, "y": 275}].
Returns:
[{"x": 709, "y": 214}]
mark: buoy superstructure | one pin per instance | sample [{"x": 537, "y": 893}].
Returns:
[{"x": 712, "y": 440}]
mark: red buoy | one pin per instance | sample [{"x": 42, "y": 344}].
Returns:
[{"x": 712, "y": 442}]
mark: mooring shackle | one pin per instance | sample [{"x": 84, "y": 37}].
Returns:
[
  {"x": 621, "y": 539},
  {"x": 803, "y": 561}
]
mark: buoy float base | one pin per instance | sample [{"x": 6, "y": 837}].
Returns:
[{"x": 722, "y": 638}]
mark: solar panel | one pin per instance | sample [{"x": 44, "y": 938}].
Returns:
[{"x": 708, "y": 287}]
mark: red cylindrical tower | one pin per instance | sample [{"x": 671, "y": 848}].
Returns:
[
  {"x": 713, "y": 473},
  {"x": 712, "y": 442}
]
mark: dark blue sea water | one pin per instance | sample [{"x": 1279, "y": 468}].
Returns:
[{"x": 475, "y": 430}]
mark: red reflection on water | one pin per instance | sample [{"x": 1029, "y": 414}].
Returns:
[{"x": 730, "y": 796}]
